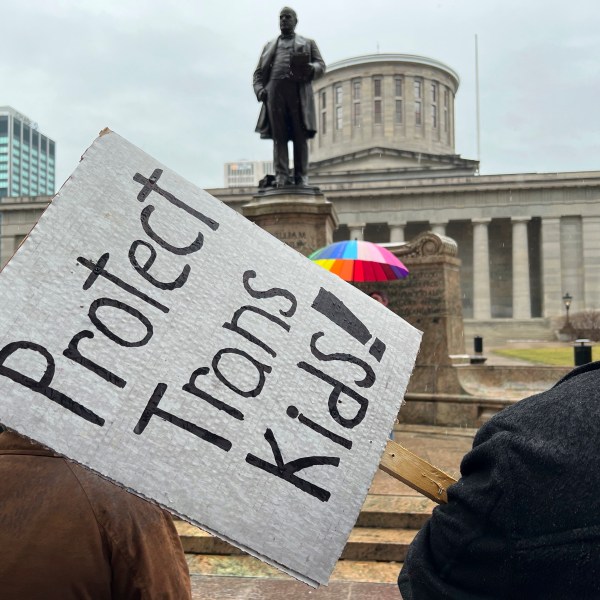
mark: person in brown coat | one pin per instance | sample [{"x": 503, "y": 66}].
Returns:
[{"x": 66, "y": 533}]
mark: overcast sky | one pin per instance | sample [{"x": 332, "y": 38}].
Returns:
[{"x": 174, "y": 77}]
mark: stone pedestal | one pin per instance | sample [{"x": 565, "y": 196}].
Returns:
[
  {"x": 300, "y": 217},
  {"x": 430, "y": 299}
]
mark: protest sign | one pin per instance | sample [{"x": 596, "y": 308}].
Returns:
[{"x": 157, "y": 337}]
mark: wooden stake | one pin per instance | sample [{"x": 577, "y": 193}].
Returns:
[{"x": 415, "y": 472}]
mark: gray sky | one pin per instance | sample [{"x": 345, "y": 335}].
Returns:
[{"x": 174, "y": 77}]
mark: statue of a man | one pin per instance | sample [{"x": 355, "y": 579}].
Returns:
[{"x": 282, "y": 82}]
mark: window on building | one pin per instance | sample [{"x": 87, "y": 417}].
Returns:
[
  {"x": 418, "y": 89},
  {"x": 3, "y": 126},
  {"x": 323, "y": 97},
  {"x": 398, "y": 108},
  {"x": 418, "y": 113},
  {"x": 356, "y": 116},
  {"x": 16, "y": 129},
  {"x": 377, "y": 102},
  {"x": 377, "y": 87},
  {"x": 418, "y": 93},
  {"x": 338, "y": 107},
  {"x": 398, "y": 81},
  {"x": 398, "y": 112},
  {"x": 434, "y": 104},
  {"x": 377, "y": 118},
  {"x": 338, "y": 94},
  {"x": 356, "y": 97},
  {"x": 446, "y": 109}
]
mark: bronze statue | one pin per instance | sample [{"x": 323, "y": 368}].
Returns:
[{"x": 282, "y": 82}]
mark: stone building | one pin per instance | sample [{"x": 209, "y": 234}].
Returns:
[{"x": 385, "y": 157}]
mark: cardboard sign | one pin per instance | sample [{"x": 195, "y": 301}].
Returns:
[{"x": 157, "y": 337}]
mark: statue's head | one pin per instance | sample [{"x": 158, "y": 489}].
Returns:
[{"x": 287, "y": 20}]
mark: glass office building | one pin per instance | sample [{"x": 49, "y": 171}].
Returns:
[{"x": 27, "y": 158}]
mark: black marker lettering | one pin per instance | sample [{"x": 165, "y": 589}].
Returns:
[
  {"x": 151, "y": 186},
  {"x": 192, "y": 388},
  {"x": 260, "y": 367},
  {"x": 72, "y": 352},
  {"x": 292, "y": 413},
  {"x": 143, "y": 270},
  {"x": 97, "y": 270},
  {"x": 338, "y": 389},
  {"x": 287, "y": 471},
  {"x": 145, "y": 220},
  {"x": 272, "y": 293},
  {"x": 43, "y": 385},
  {"x": 337, "y": 312},
  {"x": 369, "y": 378},
  {"x": 152, "y": 409},
  {"x": 234, "y": 326},
  {"x": 92, "y": 313}
]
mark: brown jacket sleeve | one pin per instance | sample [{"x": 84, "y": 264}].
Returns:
[{"x": 145, "y": 553}]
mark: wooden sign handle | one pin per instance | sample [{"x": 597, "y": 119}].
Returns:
[{"x": 415, "y": 472}]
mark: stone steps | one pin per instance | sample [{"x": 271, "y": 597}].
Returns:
[
  {"x": 364, "y": 543},
  {"x": 374, "y": 553},
  {"x": 400, "y": 512},
  {"x": 390, "y": 517},
  {"x": 210, "y": 565}
]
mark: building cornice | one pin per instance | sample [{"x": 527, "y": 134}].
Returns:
[
  {"x": 453, "y": 159},
  {"x": 394, "y": 58},
  {"x": 438, "y": 185}
]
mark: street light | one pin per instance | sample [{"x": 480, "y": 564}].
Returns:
[{"x": 567, "y": 298}]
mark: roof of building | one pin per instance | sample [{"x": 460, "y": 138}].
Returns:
[{"x": 394, "y": 57}]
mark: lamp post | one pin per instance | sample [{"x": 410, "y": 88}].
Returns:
[{"x": 567, "y": 298}]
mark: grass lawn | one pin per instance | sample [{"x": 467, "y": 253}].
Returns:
[{"x": 557, "y": 356}]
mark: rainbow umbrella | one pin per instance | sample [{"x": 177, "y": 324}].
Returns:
[{"x": 356, "y": 260}]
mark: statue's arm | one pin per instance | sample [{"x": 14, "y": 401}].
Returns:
[
  {"x": 257, "y": 83},
  {"x": 257, "y": 79},
  {"x": 317, "y": 63}
]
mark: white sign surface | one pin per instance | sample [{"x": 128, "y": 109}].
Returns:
[{"x": 157, "y": 337}]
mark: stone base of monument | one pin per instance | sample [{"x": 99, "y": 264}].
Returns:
[
  {"x": 430, "y": 300},
  {"x": 299, "y": 216},
  {"x": 446, "y": 388}
]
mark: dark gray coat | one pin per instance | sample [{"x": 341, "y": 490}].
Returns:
[
  {"x": 263, "y": 72},
  {"x": 523, "y": 522}
]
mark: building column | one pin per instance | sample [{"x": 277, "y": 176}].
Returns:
[
  {"x": 571, "y": 260},
  {"x": 521, "y": 288},
  {"x": 482, "y": 306},
  {"x": 356, "y": 231},
  {"x": 439, "y": 227},
  {"x": 552, "y": 291},
  {"x": 591, "y": 262},
  {"x": 397, "y": 232}
]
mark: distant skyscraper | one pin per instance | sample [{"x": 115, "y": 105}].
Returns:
[{"x": 27, "y": 158}]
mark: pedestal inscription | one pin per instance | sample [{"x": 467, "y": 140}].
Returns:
[{"x": 305, "y": 222}]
